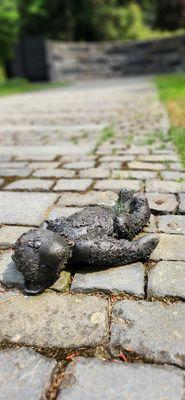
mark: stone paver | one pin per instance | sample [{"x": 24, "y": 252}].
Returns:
[
  {"x": 172, "y": 224},
  {"x": 73, "y": 185},
  {"x": 24, "y": 374},
  {"x": 132, "y": 174},
  {"x": 58, "y": 212},
  {"x": 173, "y": 175},
  {"x": 30, "y": 185},
  {"x": 95, "y": 379},
  {"x": 91, "y": 198},
  {"x": 153, "y": 331},
  {"x": 167, "y": 278},
  {"x": 9, "y": 235},
  {"x": 128, "y": 279},
  {"x": 170, "y": 247},
  {"x": 15, "y": 172},
  {"x": 97, "y": 173},
  {"x": 165, "y": 186},
  {"x": 24, "y": 208},
  {"x": 162, "y": 203},
  {"x": 79, "y": 165},
  {"x": 9, "y": 274},
  {"x": 57, "y": 143},
  {"x": 182, "y": 203},
  {"x": 54, "y": 173},
  {"x": 111, "y": 184},
  {"x": 65, "y": 321}
]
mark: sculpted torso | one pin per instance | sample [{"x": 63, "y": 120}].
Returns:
[{"x": 97, "y": 236}]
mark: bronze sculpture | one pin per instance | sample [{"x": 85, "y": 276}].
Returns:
[{"x": 97, "y": 236}]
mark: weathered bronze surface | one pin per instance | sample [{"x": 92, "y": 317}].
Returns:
[{"x": 97, "y": 236}]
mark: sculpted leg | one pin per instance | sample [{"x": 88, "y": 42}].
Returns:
[{"x": 105, "y": 251}]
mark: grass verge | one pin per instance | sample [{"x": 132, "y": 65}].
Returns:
[
  {"x": 171, "y": 89},
  {"x": 19, "y": 85}
]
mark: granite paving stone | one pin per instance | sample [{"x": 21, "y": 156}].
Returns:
[
  {"x": 13, "y": 164},
  {"x": 144, "y": 165},
  {"x": 15, "y": 172},
  {"x": 25, "y": 208},
  {"x": 125, "y": 279},
  {"x": 79, "y": 165},
  {"x": 58, "y": 212},
  {"x": 111, "y": 165},
  {"x": 34, "y": 157},
  {"x": 159, "y": 158},
  {"x": 65, "y": 321},
  {"x": 173, "y": 175},
  {"x": 91, "y": 198},
  {"x": 131, "y": 174},
  {"x": 73, "y": 185},
  {"x": 152, "y": 330},
  {"x": 167, "y": 278},
  {"x": 24, "y": 374},
  {"x": 172, "y": 224},
  {"x": 170, "y": 247},
  {"x": 9, "y": 274},
  {"x": 124, "y": 157},
  {"x": 182, "y": 203},
  {"x": 97, "y": 379},
  {"x": 165, "y": 186},
  {"x": 162, "y": 203},
  {"x": 117, "y": 184},
  {"x": 9, "y": 235},
  {"x": 44, "y": 165},
  {"x": 30, "y": 184},
  {"x": 137, "y": 150},
  {"x": 96, "y": 173},
  {"x": 177, "y": 167},
  {"x": 54, "y": 173}
]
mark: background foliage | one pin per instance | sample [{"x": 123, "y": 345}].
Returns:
[{"x": 87, "y": 19}]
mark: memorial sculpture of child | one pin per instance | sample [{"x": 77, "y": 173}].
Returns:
[{"x": 97, "y": 237}]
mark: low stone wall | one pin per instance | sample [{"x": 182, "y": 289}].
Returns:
[{"x": 69, "y": 60}]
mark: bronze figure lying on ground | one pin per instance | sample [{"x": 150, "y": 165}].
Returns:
[{"x": 97, "y": 236}]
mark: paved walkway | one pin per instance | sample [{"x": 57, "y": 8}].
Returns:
[{"x": 62, "y": 150}]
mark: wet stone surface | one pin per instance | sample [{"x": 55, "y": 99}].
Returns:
[
  {"x": 126, "y": 279},
  {"x": 66, "y": 322},
  {"x": 24, "y": 374},
  {"x": 107, "y": 380},
  {"x": 152, "y": 330}
]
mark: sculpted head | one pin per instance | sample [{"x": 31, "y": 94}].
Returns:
[{"x": 40, "y": 255}]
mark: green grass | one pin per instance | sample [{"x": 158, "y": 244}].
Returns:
[
  {"x": 178, "y": 138},
  {"x": 106, "y": 134},
  {"x": 171, "y": 89},
  {"x": 19, "y": 85},
  {"x": 171, "y": 86}
]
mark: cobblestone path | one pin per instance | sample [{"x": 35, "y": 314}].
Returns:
[{"x": 123, "y": 328}]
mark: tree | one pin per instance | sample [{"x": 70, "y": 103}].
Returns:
[
  {"x": 170, "y": 14},
  {"x": 9, "y": 28},
  {"x": 33, "y": 15}
]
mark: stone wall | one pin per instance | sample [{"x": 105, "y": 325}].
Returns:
[{"x": 69, "y": 60}]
